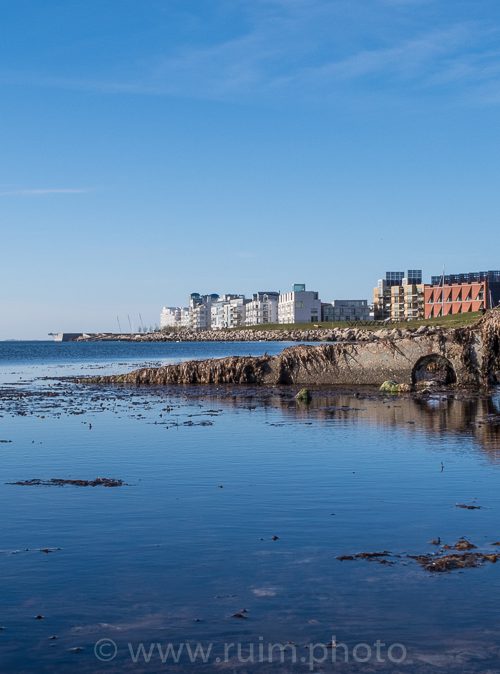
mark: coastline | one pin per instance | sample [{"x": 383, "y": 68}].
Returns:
[
  {"x": 347, "y": 334},
  {"x": 461, "y": 356}
]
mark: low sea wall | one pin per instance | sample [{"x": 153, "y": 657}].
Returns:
[{"x": 246, "y": 335}]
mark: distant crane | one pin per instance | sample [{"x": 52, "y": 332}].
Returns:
[
  {"x": 129, "y": 322},
  {"x": 119, "y": 326}
]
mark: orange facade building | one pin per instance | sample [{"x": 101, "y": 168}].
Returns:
[{"x": 455, "y": 298}]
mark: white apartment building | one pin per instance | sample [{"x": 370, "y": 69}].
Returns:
[
  {"x": 217, "y": 315},
  {"x": 185, "y": 317},
  {"x": 236, "y": 312},
  {"x": 228, "y": 312},
  {"x": 200, "y": 310},
  {"x": 299, "y": 306},
  {"x": 174, "y": 317},
  {"x": 262, "y": 308},
  {"x": 232, "y": 311}
]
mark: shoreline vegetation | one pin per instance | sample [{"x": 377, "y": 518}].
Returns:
[{"x": 305, "y": 332}]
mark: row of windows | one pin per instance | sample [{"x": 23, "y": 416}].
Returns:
[{"x": 447, "y": 300}]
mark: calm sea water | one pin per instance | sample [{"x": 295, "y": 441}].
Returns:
[
  {"x": 212, "y": 477},
  {"x": 44, "y": 358}
]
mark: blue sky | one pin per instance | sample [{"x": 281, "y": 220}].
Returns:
[{"x": 150, "y": 148}]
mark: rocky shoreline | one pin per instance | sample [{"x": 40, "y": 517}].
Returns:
[
  {"x": 468, "y": 357},
  {"x": 347, "y": 334}
]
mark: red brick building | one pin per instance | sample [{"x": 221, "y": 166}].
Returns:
[{"x": 455, "y": 298}]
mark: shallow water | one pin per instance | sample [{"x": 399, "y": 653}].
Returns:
[
  {"x": 212, "y": 476},
  {"x": 32, "y": 359}
]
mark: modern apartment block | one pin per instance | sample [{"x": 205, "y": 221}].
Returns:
[
  {"x": 382, "y": 294},
  {"x": 262, "y": 308},
  {"x": 228, "y": 312},
  {"x": 462, "y": 293},
  {"x": 200, "y": 307},
  {"x": 345, "y": 310},
  {"x": 407, "y": 301},
  {"x": 299, "y": 306},
  {"x": 174, "y": 317},
  {"x": 399, "y": 296},
  {"x": 236, "y": 312}
]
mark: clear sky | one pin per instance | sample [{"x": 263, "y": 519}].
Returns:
[{"x": 150, "y": 148}]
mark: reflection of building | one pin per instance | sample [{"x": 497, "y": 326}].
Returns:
[
  {"x": 345, "y": 310},
  {"x": 262, "y": 308},
  {"x": 299, "y": 306},
  {"x": 477, "y": 420},
  {"x": 462, "y": 293},
  {"x": 399, "y": 297}
]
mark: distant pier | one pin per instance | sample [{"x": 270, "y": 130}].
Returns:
[{"x": 65, "y": 336}]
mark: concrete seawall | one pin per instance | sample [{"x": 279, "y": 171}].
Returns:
[{"x": 462, "y": 356}]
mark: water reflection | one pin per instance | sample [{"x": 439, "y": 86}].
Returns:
[
  {"x": 472, "y": 415},
  {"x": 190, "y": 540}
]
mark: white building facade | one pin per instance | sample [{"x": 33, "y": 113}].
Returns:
[
  {"x": 200, "y": 310},
  {"x": 262, "y": 308},
  {"x": 174, "y": 317},
  {"x": 228, "y": 312},
  {"x": 299, "y": 306},
  {"x": 216, "y": 312}
]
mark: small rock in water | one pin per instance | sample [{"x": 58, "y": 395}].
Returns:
[
  {"x": 303, "y": 396},
  {"x": 390, "y": 386},
  {"x": 49, "y": 550},
  {"x": 464, "y": 544}
]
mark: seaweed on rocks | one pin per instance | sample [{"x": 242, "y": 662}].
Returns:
[
  {"x": 465, "y": 560},
  {"x": 59, "y": 482}
]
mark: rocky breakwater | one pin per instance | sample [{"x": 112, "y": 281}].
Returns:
[
  {"x": 243, "y": 335},
  {"x": 461, "y": 356}
]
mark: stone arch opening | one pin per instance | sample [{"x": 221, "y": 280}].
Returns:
[{"x": 435, "y": 368}]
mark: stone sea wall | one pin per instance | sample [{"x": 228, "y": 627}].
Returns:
[{"x": 246, "y": 335}]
